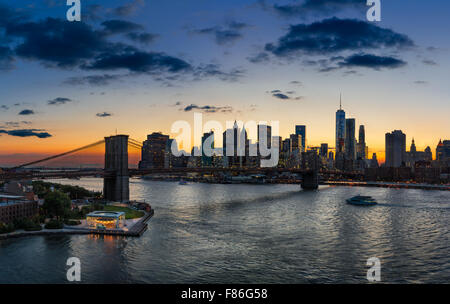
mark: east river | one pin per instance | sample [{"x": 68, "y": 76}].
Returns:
[{"x": 214, "y": 233}]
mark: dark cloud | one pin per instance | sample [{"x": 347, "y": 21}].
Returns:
[
  {"x": 94, "y": 80},
  {"x": 214, "y": 70},
  {"x": 318, "y": 7},
  {"x": 129, "y": 8},
  {"x": 224, "y": 35},
  {"x": 104, "y": 114},
  {"x": 372, "y": 61},
  {"x": 112, "y": 27},
  {"x": 26, "y": 112},
  {"x": 258, "y": 58},
  {"x": 139, "y": 61},
  {"x": 144, "y": 38},
  {"x": 6, "y": 58},
  {"x": 284, "y": 95},
  {"x": 335, "y": 35},
  {"x": 59, "y": 101},
  {"x": 208, "y": 109},
  {"x": 429, "y": 62},
  {"x": 26, "y": 133}
]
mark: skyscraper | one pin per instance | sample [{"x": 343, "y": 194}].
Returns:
[
  {"x": 395, "y": 148},
  {"x": 361, "y": 148},
  {"x": 207, "y": 160},
  {"x": 154, "y": 151},
  {"x": 340, "y": 128},
  {"x": 301, "y": 130},
  {"x": 350, "y": 140}
]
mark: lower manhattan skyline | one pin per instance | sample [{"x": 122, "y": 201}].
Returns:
[
  {"x": 391, "y": 75},
  {"x": 224, "y": 151}
]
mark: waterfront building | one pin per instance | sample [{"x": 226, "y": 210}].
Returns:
[
  {"x": 414, "y": 156},
  {"x": 13, "y": 207},
  {"x": 154, "y": 151},
  {"x": 395, "y": 149},
  {"x": 105, "y": 220},
  {"x": 301, "y": 130}
]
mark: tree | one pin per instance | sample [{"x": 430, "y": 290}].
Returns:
[{"x": 57, "y": 204}]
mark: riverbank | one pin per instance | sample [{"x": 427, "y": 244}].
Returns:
[
  {"x": 388, "y": 185},
  {"x": 135, "y": 231}
]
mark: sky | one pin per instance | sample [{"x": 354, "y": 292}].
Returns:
[{"x": 136, "y": 67}]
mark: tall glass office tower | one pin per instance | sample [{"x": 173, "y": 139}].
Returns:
[
  {"x": 301, "y": 130},
  {"x": 340, "y": 128}
]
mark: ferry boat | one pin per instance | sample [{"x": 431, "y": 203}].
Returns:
[{"x": 361, "y": 200}]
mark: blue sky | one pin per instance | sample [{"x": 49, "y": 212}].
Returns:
[{"x": 148, "y": 61}]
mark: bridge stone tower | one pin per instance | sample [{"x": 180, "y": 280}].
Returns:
[
  {"x": 310, "y": 161},
  {"x": 116, "y": 179}
]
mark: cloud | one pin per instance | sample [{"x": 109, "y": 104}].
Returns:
[
  {"x": 213, "y": 70},
  {"x": 258, "y": 58},
  {"x": 59, "y": 101},
  {"x": 144, "y": 38},
  {"x": 224, "y": 35},
  {"x": 429, "y": 62},
  {"x": 208, "y": 109},
  {"x": 112, "y": 27},
  {"x": 26, "y": 133},
  {"x": 335, "y": 35},
  {"x": 372, "y": 61},
  {"x": 421, "y": 82},
  {"x": 4, "y": 107},
  {"x": 129, "y": 8},
  {"x": 26, "y": 112},
  {"x": 278, "y": 94},
  {"x": 94, "y": 80},
  {"x": 139, "y": 61},
  {"x": 104, "y": 114},
  {"x": 318, "y": 7}
]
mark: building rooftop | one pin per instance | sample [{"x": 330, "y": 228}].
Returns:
[{"x": 111, "y": 214}]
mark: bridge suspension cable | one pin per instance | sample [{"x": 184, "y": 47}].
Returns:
[{"x": 61, "y": 154}]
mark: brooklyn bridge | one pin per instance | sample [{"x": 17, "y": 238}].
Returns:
[{"x": 116, "y": 171}]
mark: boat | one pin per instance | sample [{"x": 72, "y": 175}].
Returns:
[
  {"x": 182, "y": 182},
  {"x": 361, "y": 200}
]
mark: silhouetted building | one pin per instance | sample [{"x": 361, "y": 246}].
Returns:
[
  {"x": 443, "y": 150},
  {"x": 414, "y": 156},
  {"x": 207, "y": 143},
  {"x": 395, "y": 149},
  {"x": 323, "y": 150},
  {"x": 154, "y": 151},
  {"x": 301, "y": 130},
  {"x": 350, "y": 140},
  {"x": 361, "y": 149},
  {"x": 374, "y": 161}
]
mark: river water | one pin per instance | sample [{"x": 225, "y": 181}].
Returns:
[{"x": 206, "y": 233}]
